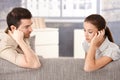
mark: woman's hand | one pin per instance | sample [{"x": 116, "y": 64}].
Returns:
[
  {"x": 98, "y": 38},
  {"x": 17, "y": 35}
]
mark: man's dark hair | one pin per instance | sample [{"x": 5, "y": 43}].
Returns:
[{"x": 16, "y": 14}]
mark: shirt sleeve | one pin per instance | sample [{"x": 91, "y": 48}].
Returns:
[
  {"x": 9, "y": 54},
  {"x": 113, "y": 52},
  {"x": 85, "y": 46}
]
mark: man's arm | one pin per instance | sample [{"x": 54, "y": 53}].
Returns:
[
  {"x": 30, "y": 58},
  {"x": 27, "y": 59}
]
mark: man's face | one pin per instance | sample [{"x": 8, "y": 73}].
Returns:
[{"x": 25, "y": 27}]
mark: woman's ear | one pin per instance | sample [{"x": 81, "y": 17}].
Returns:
[
  {"x": 12, "y": 28},
  {"x": 103, "y": 31}
]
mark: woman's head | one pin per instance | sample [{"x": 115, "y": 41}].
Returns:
[{"x": 94, "y": 23}]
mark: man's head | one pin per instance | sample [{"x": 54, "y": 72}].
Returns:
[{"x": 20, "y": 18}]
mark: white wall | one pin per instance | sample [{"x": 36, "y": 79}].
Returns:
[
  {"x": 46, "y": 42},
  {"x": 78, "y": 39}
]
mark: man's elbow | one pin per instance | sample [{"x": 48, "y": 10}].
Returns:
[
  {"x": 33, "y": 66},
  {"x": 37, "y": 65}
]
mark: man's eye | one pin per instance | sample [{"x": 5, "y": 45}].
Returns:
[
  {"x": 84, "y": 30},
  {"x": 26, "y": 27}
]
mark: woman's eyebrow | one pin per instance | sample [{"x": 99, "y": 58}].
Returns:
[{"x": 90, "y": 29}]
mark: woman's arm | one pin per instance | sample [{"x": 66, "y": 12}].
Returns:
[{"x": 91, "y": 63}]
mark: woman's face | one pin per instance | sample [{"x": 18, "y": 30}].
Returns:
[{"x": 89, "y": 30}]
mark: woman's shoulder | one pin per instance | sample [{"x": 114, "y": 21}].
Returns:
[
  {"x": 113, "y": 51},
  {"x": 110, "y": 45},
  {"x": 85, "y": 45},
  {"x": 113, "y": 45}
]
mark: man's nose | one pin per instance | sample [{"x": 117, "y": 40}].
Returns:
[{"x": 30, "y": 29}]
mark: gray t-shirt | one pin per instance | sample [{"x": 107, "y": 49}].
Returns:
[{"x": 106, "y": 49}]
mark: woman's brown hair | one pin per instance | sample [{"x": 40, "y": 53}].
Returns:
[{"x": 100, "y": 23}]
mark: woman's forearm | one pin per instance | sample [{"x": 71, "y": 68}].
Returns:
[{"x": 90, "y": 58}]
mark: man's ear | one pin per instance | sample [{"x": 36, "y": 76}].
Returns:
[{"x": 12, "y": 28}]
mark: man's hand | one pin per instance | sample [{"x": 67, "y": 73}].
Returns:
[{"x": 17, "y": 35}]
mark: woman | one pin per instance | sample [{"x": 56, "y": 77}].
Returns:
[{"x": 99, "y": 45}]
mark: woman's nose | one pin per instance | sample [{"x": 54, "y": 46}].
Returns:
[{"x": 86, "y": 34}]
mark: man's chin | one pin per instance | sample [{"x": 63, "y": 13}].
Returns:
[{"x": 28, "y": 36}]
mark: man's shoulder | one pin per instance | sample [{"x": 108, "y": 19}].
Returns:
[
  {"x": 6, "y": 40},
  {"x": 3, "y": 36}
]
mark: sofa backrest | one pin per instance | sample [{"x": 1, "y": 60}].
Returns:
[{"x": 59, "y": 69}]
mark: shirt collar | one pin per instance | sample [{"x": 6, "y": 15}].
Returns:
[
  {"x": 104, "y": 45},
  {"x": 12, "y": 42}
]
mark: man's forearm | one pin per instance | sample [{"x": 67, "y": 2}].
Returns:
[{"x": 30, "y": 57}]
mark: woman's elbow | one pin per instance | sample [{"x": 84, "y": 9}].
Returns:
[{"x": 88, "y": 69}]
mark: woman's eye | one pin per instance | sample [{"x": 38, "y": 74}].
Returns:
[{"x": 90, "y": 32}]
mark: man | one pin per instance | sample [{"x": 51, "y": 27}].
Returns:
[{"x": 14, "y": 43}]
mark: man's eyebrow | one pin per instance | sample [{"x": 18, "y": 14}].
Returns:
[{"x": 29, "y": 24}]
